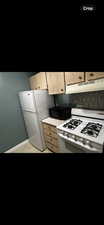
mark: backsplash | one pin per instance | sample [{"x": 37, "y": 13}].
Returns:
[{"x": 89, "y": 100}]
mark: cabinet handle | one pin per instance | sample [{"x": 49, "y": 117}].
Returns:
[
  {"x": 80, "y": 77},
  {"x": 91, "y": 74},
  {"x": 61, "y": 89}
]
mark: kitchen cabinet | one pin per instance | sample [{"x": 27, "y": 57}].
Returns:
[
  {"x": 51, "y": 137},
  {"x": 56, "y": 82},
  {"x": 92, "y": 82},
  {"x": 43, "y": 81},
  {"x": 67, "y": 82},
  {"x": 74, "y": 77},
  {"x": 33, "y": 82},
  {"x": 50, "y": 133},
  {"x": 94, "y": 75},
  {"x": 38, "y": 81}
]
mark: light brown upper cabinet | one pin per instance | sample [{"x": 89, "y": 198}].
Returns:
[
  {"x": 38, "y": 81},
  {"x": 74, "y": 77},
  {"x": 56, "y": 82},
  {"x": 94, "y": 75},
  {"x": 32, "y": 82}
]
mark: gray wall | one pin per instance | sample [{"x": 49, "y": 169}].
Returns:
[{"x": 12, "y": 128}]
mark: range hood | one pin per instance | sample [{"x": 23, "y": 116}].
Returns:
[{"x": 95, "y": 85}]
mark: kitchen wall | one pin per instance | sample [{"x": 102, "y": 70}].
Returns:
[
  {"x": 90, "y": 100},
  {"x": 62, "y": 99},
  {"x": 12, "y": 128}
]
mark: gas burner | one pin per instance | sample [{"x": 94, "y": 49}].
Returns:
[
  {"x": 92, "y": 129},
  {"x": 72, "y": 124}
]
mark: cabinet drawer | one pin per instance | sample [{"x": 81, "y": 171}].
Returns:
[
  {"x": 45, "y": 126},
  {"x": 50, "y": 133},
  {"x": 51, "y": 140},
  {"x": 52, "y": 147},
  {"x": 94, "y": 75},
  {"x": 49, "y": 128}
]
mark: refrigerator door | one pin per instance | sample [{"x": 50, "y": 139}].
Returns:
[
  {"x": 21, "y": 99},
  {"x": 27, "y": 101},
  {"x": 33, "y": 130},
  {"x": 43, "y": 102}
]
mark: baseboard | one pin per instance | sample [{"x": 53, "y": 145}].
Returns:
[{"x": 17, "y": 146}]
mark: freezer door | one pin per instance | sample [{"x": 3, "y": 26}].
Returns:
[
  {"x": 33, "y": 130},
  {"x": 28, "y": 103},
  {"x": 43, "y": 102}
]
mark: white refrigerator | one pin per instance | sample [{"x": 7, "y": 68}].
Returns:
[{"x": 35, "y": 106}]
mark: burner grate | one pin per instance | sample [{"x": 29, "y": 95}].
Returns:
[
  {"x": 72, "y": 124},
  {"x": 92, "y": 129}
]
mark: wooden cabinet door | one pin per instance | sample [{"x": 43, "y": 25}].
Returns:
[
  {"x": 43, "y": 81},
  {"x": 94, "y": 75},
  {"x": 38, "y": 81},
  {"x": 74, "y": 77},
  {"x": 55, "y": 81},
  {"x": 33, "y": 82}
]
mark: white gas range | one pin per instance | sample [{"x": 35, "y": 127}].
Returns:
[{"x": 83, "y": 132}]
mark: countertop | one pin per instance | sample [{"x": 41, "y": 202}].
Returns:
[{"x": 53, "y": 121}]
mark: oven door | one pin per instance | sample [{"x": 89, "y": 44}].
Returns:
[
  {"x": 71, "y": 148},
  {"x": 68, "y": 147}
]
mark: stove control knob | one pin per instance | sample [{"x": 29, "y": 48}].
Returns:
[
  {"x": 91, "y": 146},
  {"x": 81, "y": 139},
  {"x": 89, "y": 143},
  {"x": 84, "y": 142},
  {"x": 76, "y": 139},
  {"x": 65, "y": 133}
]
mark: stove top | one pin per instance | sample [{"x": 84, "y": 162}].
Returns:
[
  {"x": 85, "y": 128},
  {"x": 92, "y": 129},
  {"x": 72, "y": 124}
]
